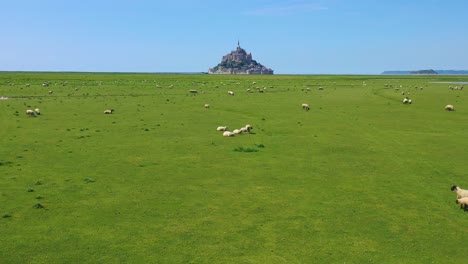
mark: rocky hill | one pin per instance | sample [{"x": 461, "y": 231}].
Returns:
[
  {"x": 430, "y": 71},
  {"x": 239, "y": 62},
  {"x": 445, "y": 72}
]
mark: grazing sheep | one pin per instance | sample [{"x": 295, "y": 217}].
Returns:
[
  {"x": 37, "y": 111},
  {"x": 228, "y": 134},
  {"x": 249, "y": 127},
  {"x": 222, "y": 128},
  {"x": 109, "y": 111},
  {"x": 460, "y": 192},
  {"x": 237, "y": 131},
  {"x": 27, "y": 85},
  {"x": 30, "y": 112},
  {"x": 306, "y": 107},
  {"x": 230, "y": 92},
  {"x": 206, "y": 106},
  {"x": 463, "y": 203},
  {"x": 244, "y": 130},
  {"x": 449, "y": 108},
  {"x": 248, "y": 90}
]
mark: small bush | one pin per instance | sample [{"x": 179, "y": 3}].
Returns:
[
  {"x": 242, "y": 149},
  {"x": 38, "y": 206},
  {"x": 89, "y": 180},
  {"x": 30, "y": 190}
]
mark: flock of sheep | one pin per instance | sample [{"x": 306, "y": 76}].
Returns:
[
  {"x": 37, "y": 111},
  {"x": 406, "y": 100},
  {"x": 33, "y": 113},
  {"x": 462, "y": 197},
  {"x": 226, "y": 133}
]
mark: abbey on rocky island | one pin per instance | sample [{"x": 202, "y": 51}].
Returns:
[{"x": 239, "y": 62}]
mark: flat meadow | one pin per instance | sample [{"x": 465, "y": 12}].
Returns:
[{"x": 360, "y": 178}]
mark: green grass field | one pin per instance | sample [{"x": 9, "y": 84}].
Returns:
[{"x": 360, "y": 178}]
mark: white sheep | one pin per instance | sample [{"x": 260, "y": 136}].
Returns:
[
  {"x": 237, "y": 131},
  {"x": 449, "y": 108},
  {"x": 37, "y": 111},
  {"x": 228, "y": 134},
  {"x": 246, "y": 129},
  {"x": 463, "y": 203},
  {"x": 406, "y": 100},
  {"x": 222, "y": 128},
  {"x": 109, "y": 111},
  {"x": 460, "y": 192},
  {"x": 30, "y": 112},
  {"x": 51, "y": 92},
  {"x": 305, "y": 107},
  {"x": 206, "y": 106},
  {"x": 230, "y": 92}
]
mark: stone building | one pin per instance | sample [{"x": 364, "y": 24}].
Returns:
[{"x": 239, "y": 62}]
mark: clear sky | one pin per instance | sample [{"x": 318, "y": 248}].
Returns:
[{"x": 289, "y": 36}]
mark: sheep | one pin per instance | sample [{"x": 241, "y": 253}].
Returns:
[
  {"x": 463, "y": 203},
  {"x": 37, "y": 111},
  {"x": 305, "y": 107},
  {"x": 449, "y": 108},
  {"x": 206, "y": 106},
  {"x": 30, "y": 112},
  {"x": 460, "y": 192},
  {"x": 237, "y": 131},
  {"x": 246, "y": 129},
  {"x": 109, "y": 111},
  {"x": 27, "y": 85},
  {"x": 50, "y": 92},
  {"x": 228, "y": 134},
  {"x": 222, "y": 128},
  {"x": 230, "y": 92}
]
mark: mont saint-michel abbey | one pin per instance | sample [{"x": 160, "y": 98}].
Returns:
[{"x": 239, "y": 62}]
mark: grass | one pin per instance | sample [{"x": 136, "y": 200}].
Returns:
[{"x": 360, "y": 178}]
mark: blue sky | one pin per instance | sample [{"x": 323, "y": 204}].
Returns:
[{"x": 289, "y": 36}]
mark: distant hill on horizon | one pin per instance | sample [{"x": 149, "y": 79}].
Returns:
[{"x": 444, "y": 72}]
